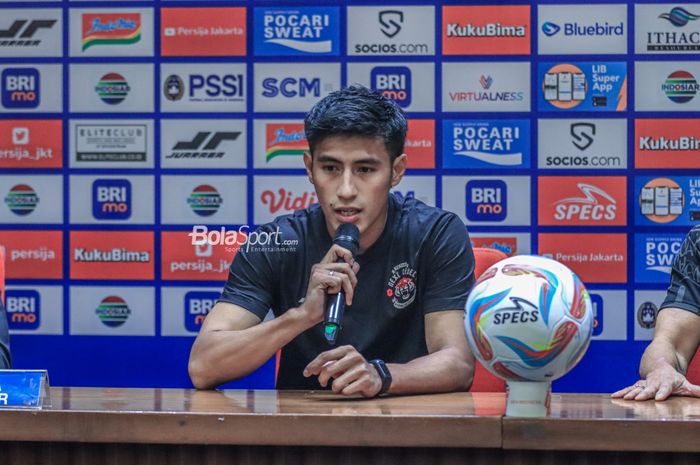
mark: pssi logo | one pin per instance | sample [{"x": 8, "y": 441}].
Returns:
[
  {"x": 205, "y": 200},
  {"x": 597, "y": 303},
  {"x": 23, "y": 309},
  {"x": 198, "y": 304},
  {"x": 486, "y": 200},
  {"x": 291, "y": 87},
  {"x": 393, "y": 82},
  {"x": 21, "y": 200},
  {"x": 111, "y": 199},
  {"x": 20, "y": 88},
  {"x": 113, "y": 311}
]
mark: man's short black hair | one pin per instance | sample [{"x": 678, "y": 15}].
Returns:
[{"x": 357, "y": 111}]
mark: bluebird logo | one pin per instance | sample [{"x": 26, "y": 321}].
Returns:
[
  {"x": 197, "y": 307},
  {"x": 550, "y": 29},
  {"x": 486, "y": 200},
  {"x": 111, "y": 199},
  {"x": 20, "y": 88},
  {"x": 597, "y": 303},
  {"x": 393, "y": 82},
  {"x": 23, "y": 309},
  {"x": 291, "y": 87}
]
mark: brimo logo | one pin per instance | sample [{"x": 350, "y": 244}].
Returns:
[{"x": 263, "y": 241}]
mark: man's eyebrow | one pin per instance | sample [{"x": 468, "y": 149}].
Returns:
[
  {"x": 323, "y": 158},
  {"x": 363, "y": 161}
]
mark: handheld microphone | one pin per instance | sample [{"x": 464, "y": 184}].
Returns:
[{"x": 348, "y": 237}]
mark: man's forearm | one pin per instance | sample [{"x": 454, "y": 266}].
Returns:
[
  {"x": 661, "y": 353},
  {"x": 442, "y": 371},
  {"x": 221, "y": 356}
]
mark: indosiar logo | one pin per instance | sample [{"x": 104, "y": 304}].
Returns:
[
  {"x": 197, "y": 307},
  {"x": 291, "y": 87},
  {"x": 205, "y": 200},
  {"x": 598, "y": 310},
  {"x": 486, "y": 200},
  {"x": 23, "y": 309},
  {"x": 680, "y": 86},
  {"x": 112, "y": 88},
  {"x": 393, "y": 82},
  {"x": 20, "y": 88},
  {"x": 111, "y": 199},
  {"x": 113, "y": 311},
  {"x": 21, "y": 199}
]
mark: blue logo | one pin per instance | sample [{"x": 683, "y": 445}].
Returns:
[
  {"x": 197, "y": 306},
  {"x": 111, "y": 199},
  {"x": 679, "y": 17},
  {"x": 597, "y": 303},
  {"x": 297, "y": 31},
  {"x": 291, "y": 87},
  {"x": 655, "y": 254},
  {"x": 213, "y": 86},
  {"x": 486, "y": 144},
  {"x": 550, "y": 29},
  {"x": 486, "y": 200},
  {"x": 20, "y": 88},
  {"x": 23, "y": 309},
  {"x": 393, "y": 82}
]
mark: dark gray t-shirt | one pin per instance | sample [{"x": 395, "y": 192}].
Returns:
[
  {"x": 684, "y": 290},
  {"x": 421, "y": 263},
  {"x": 5, "y": 359}
]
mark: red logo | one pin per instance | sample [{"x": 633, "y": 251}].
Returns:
[
  {"x": 582, "y": 201},
  {"x": 203, "y": 31},
  {"x": 111, "y": 255},
  {"x": 110, "y": 29},
  {"x": 33, "y": 254},
  {"x": 285, "y": 140},
  {"x": 31, "y": 144},
  {"x": 420, "y": 143},
  {"x": 486, "y": 30},
  {"x": 595, "y": 258},
  {"x": 667, "y": 143},
  {"x": 180, "y": 260},
  {"x": 286, "y": 201}
]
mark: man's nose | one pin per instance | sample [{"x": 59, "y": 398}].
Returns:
[{"x": 347, "y": 188}]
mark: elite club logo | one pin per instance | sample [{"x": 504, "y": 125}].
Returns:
[
  {"x": 205, "y": 200},
  {"x": 680, "y": 86},
  {"x": 205, "y": 144},
  {"x": 22, "y": 32},
  {"x": 550, "y": 29},
  {"x": 113, "y": 311},
  {"x": 486, "y": 200},
  {"x": 285, "y": 140},
  {"x": 679, "y": 16},
  {"x": 393, "y": 82},
  {"x": 23, "y": 309},
  {"x": 197, "y": 307},
  {"x": 111, "y": 199},
  {"x": 21, "y": 200},
  {"x": 110, "y": 29},
  {"x": 112, "y": 88},
  {"x": 20, "y": 88}
]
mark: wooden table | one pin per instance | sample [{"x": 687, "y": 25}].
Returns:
[{"x": 155, "y": 426}]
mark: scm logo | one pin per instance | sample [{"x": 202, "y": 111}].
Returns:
[
  {"x": 23, "y": 309},
  {"x": 486, "y": 200},
  {"x": 111, "y": 199},
  {"x": 291, "y": 87},
  {"x": 393, "y": 82},
  {"x": 197, "y": 307}
]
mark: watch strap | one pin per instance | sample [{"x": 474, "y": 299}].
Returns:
[{"x": 384, "y": 374}]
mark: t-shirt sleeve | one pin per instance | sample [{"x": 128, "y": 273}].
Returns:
[
  {"x": 450, "y": 267},
  {"x": 684, "y": 290},
  {"x": 253, "y": 279}
]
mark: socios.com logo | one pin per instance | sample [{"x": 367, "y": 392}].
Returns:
[
  {"x": 112, "y": 88},
  {"x": 23, "y": 309},
  {"x": 21, "y": 199},
  {"x": 205, "y": 200},
  {"x": 393, "y": 82},
  {"x": 113, "y": 311},
  {"x": 486, "y": 200},
  {"x": 680, "y": 86},
  {"x": 111, "y": 199},
  {"x": 20, "y": 88},
  {"x": 550, "y": 29},
  {"x": 197, "y": 307}
]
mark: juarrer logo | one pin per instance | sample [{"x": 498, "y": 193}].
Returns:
[{"x": 287, "y": 200}]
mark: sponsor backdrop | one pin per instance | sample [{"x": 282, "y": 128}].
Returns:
[{"x": 566, "y": 129}]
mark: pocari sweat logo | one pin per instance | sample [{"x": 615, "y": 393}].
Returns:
[
  {"x": 23, "y": 309},
  {"x": 197, "y": 307},
  {"x": 486, "y": 144},
  {"x": 297, "y": 31},
  {"x": 393, "y": 82},
  {"x": 656, "y": 254}
]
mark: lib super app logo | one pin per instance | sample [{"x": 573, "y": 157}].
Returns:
[
  {"x": 487, "y": 200},
  {"x": 111, "y": 199},
  {"x": 583, "y": 86},
  {"x": 297, "y": 31},
  {"x": 197, "y": 307},
  {"x": 23, "y": 309},
  {"x": 20, "y": 88}
]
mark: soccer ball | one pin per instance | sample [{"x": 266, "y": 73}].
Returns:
[{"x": 529, "y": 318}]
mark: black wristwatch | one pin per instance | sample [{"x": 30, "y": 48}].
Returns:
[{"x": 384, "y": 374}]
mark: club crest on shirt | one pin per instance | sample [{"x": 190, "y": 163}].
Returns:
[{"x": 401, "y": 287}]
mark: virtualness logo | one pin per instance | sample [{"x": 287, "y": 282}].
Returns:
[
  {"x": 205, "y": 200},
  {"x": 112, "y": 88},
  {"x": 113, "y": 311},
  {"x": 550, "y": 29},
  {"x": 680, "y": 86},
  {"x": 21, "y": 200},
  {"x": 679, "y": 17},
  {"x": 111, "y": 29}
]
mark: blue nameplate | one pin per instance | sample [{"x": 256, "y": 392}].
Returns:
[{"x": 23, "y": 388}]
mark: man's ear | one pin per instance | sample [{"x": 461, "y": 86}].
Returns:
[
  {"x": 398, "y": 169},
  {"x": 308, "y": 162}
]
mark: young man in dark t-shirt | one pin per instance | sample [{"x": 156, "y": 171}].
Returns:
[
  {"x": 676, "y": 333},
  {"x": 403, "y": 329}
]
